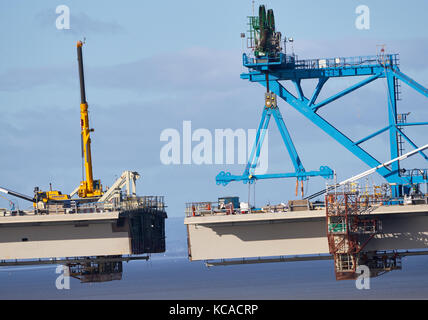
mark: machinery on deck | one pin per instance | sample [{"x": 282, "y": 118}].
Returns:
[
  {"x": 272, "y": 67},
  {"x": 88, "y": 187},
  {"x": 92, "y": 230},
  {"x": 41, "y": 198},
  {"x": 265, "y": 43},
  {"x": 89, "y": 190},
  {"x": 262, "y": 32},
  {"x": 355, "y": 225}
]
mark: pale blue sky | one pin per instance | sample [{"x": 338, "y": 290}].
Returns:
[{"x": 152, "y": 64}]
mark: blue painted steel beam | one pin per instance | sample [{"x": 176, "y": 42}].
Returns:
[
  {"x": 410, "y": 82},
  {"x": 297, "y": 163},
  {"x": 257, "y": 76},
  {"x": 321, "y": 82},
  {"x": 392, "y": 120},
  {"x": 255, "y": 145},
  {"x": 249, "y": 172},
  {"x": 224, "y": 178},
  {"x": 282, "y": 92},
  {"x": 372, "y": 135},
  {"x": 418, "y": 179},
  {"x": 413, "y": 124},
  {"x": 346, "y": 91},
  {"x": 375, "y": 67},
  {"x": 288, "y": 68},
  {"x": 299, "y": 89},
  {"x": 398, "y": 131},
  {"x": 258, "y": 144}
]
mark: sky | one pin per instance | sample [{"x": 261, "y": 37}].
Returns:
[{"x": 150, "y": 65}]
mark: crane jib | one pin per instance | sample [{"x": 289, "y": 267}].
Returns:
[{"x": 81, "y": 74}]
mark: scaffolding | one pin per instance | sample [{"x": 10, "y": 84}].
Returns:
[{"x": 350, "y": 227}]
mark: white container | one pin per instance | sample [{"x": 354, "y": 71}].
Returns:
[{"x": 244, "y": 207}]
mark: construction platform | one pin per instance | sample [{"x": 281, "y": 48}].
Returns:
[
  {"x": 223, "y": 235},
  {"x": 92, "y": 229}
]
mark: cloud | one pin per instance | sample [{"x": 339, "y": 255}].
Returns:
[
  {"x": 181, "y": 71},
  {"x": 200, "y": 69},
  {"x": 412, "y": 51},
  {"x": 188, "y": 70},
  {"x": 19, "y": 79},
  {"x": 197, "y": 84},
  {"x": 80, "y": 24}
]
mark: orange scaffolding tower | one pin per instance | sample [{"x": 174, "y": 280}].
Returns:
[{"x": 348, "y": 232}]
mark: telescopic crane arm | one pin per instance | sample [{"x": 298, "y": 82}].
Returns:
[
  {"x": 88, "y": 187},
  {"x": 17, "y": 194}
]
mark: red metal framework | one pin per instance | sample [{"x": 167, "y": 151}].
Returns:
[{"x": 348, "y": 231}]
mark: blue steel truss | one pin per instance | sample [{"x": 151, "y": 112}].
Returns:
[
  {"x": 270, "y": 71},
  {"x": 271, "y": 108}
]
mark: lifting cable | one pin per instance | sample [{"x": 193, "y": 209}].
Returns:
[{"x": 11, "y": 203}]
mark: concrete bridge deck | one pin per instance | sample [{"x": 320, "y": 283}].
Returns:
[
  {"x": 404, "y": 227},
  {"x": 108, "y": 233}
]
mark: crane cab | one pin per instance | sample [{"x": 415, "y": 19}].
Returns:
[
  {"x": 87, "y": 191},
  {"x": 46, "y": 196}
]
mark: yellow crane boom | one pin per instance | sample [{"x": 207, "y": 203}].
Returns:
[{"x": 88, "y": 187}]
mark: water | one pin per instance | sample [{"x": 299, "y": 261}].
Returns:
[
  {"x": 176, "y": 278},
  {"x": 172, "y": 276}
]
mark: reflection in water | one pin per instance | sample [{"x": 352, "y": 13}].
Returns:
[
  {"x": 96, "y": 271},
  {"x": 86, "y": 269}
]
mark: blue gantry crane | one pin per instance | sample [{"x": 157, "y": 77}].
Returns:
[{"x": 271, "y": 65}]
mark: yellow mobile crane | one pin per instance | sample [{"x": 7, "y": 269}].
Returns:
[{"x": 88, "y": 188}]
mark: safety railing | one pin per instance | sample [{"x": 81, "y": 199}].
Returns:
[
  {"x": 367, "y": 195},
  {"x": 74, "y": 207},
  {"x": 196, "y": 209},
  {"x": 282, "y": 59},
  {"x": 151, "y": 202},
  {"x": 343, "y": 62},
  {"x": 323, "y": 63}
]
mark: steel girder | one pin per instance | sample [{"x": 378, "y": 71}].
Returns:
[{"x": 374, "y": 67}]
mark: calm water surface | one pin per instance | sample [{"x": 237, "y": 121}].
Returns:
[{"x": 172, "y": 276}]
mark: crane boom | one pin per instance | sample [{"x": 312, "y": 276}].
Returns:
[
  {"x": 17, "y": 194},
  {"x": 368, "y": 172},
  {"x": 88, "y": 187},
  {"x": 372, "y": 170}
]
